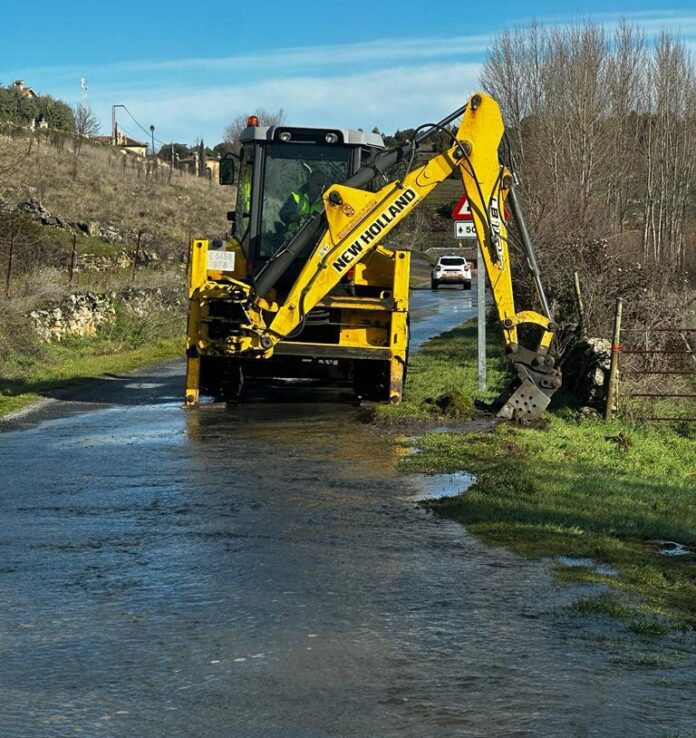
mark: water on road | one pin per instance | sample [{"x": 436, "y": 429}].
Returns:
[{"x": 261, "y": 571}]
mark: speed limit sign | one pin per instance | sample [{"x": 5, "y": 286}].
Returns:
[{"x": 464, "y": 229}]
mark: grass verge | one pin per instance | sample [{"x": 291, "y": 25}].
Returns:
[
  {"x": 578, "y": 488},
  {"x": 442, "y": 380},
  {"x": 42, "y": 370}
]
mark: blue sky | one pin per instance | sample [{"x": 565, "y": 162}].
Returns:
[{"x": 189, "y": 69}]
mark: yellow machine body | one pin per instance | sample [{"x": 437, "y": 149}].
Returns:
[
  {"x": 372, "y": 331},
  {"x": 349, "y": 234}
]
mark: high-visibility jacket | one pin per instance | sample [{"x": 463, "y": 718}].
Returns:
[{"x": 303, "y": 209}]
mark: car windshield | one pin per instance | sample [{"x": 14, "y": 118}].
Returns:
[{"x": 452, "y": 261}]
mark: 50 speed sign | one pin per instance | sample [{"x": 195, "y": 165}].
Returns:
[{"x": 464, "y": 229}]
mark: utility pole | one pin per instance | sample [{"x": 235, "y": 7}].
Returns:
[
  {"x": 152, "y": 133},
  {"x": 114, "y": 129}
]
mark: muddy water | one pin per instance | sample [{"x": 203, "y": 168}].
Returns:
[{"x": 261, "y": 572}]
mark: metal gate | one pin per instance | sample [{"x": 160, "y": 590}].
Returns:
[{"x": 653, "y": 374}]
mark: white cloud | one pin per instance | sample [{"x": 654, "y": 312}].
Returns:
[
  {"x": 282, "y": 60},
  {"x": 390, "y": 98}
]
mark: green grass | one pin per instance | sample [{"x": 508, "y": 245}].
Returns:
[
  {"x": 568, "y": 488},
  {"x": 84, "y": 244},
  {"x": 128, "y": 344},
  {"x": 442, "y": 380}
]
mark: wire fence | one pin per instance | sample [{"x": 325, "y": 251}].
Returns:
[{"x": 653, "y": 372}]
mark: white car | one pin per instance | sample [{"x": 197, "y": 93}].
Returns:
[{"x": 451, "y": 270}]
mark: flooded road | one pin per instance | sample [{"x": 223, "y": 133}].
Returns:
[{"x": 261, "y": 572}]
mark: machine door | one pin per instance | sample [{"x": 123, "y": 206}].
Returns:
[
  {"x": 295, "y": 175},
  {"x": 244, "y": 193}
]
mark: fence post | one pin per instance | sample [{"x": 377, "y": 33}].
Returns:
[
  {"x": 9, "y": 267},
  {"x": 580, "y": 306},
  {"x": 136, "y": 255},
  {"x": 73, "y": 256},
  {"x": 188, "y": 255},
  {"x": 614, "y": 366}
]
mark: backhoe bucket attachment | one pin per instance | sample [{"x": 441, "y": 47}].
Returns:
[{"x": 529, "y": 394}]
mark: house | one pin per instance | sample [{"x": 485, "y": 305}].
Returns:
[
  {"x": 124, "y": 143},
  {"x": 26, "y": 91}
]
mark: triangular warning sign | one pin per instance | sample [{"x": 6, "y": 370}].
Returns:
[{"x": 461, "y": 210}]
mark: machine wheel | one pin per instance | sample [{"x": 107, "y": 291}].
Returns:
[
  {"x": 232, "y": 382},
  {"x": 466, "y": 285},
  {"x": 434, "y": 284},
  {"x": 371, "y": 380}
]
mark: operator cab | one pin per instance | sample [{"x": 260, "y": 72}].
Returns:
[{"x": 277, "y": 161}]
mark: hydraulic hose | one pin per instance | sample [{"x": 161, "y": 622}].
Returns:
[
  {"x": 276, "y": 267},
  {"x": 528, "y": 249},
  {"x": 386, "y": 159}
]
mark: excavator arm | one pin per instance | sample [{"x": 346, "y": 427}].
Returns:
[{"x": 355, "y": 221}]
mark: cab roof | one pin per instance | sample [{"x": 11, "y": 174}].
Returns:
[{"x": 347, "y": 136}]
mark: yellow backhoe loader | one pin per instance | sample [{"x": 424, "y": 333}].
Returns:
[{"x": 305, "y": 288}]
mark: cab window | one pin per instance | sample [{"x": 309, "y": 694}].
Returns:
[{"x": 295, "y": 176}]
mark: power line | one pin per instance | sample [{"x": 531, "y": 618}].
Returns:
[{"x": 146, "y": 131}]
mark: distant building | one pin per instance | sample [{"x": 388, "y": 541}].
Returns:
[
  {"x": 38, "y": 123},
  {"x": 209, "y": 167},
  {"x": 124, "y": 143},
  {"x": 26, "y": 91}
]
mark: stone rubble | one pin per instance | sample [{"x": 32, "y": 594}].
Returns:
[{"x": 106, "y": 232}]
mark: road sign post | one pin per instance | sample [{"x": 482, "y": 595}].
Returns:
[
  {"x": 464, "y": 228},
  {"x": 481, "y": 297}
]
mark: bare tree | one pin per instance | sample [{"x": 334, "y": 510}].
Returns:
[
  {"x": 266, "y": 118},
  {"x": 603, "y": 132},
  {"x": 626, "y": 81},
  {"x": 86, "y": 122},
  {"x": 670, "y": 150}
]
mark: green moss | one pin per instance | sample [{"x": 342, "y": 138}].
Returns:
[
  {"x": 660, "y": 660},
  {"x": 602, "y": 605},
  {"x": 663, "y": 683},
  {"x": 650, "y": 627}
]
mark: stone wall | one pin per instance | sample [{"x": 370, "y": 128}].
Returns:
[
  {"x": 78, "y": 315},
  {"x": 81, "y": 314},
  {"x": 586, "y": 371}
]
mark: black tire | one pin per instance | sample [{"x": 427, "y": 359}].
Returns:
[
  {"x": 434, "y": 284},
  {"x": 467, "y": 285},
  {"x": 371, "y": 380},
  {"x": 232, "y": 382}
]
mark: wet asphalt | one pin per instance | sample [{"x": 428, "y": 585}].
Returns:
[{"x": 262, "y": 571}]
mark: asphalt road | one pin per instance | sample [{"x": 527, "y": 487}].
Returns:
[{"x": 261, "y": 571}]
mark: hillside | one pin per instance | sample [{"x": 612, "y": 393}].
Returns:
[
  {"x": 86, "y": 182},
  {"x": 118, "y": 301}
]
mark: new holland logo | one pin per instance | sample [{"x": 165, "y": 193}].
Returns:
[{"x": 372, "y": 231}]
